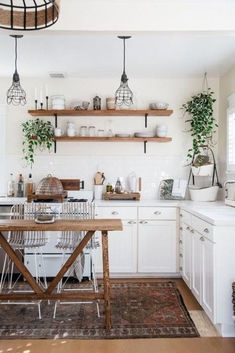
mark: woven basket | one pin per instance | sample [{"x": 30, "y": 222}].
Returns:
[{"x": 49, "y": 186}]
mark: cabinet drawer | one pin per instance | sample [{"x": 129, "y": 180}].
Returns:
[
  {"x": 202, "y": 227},
  {"x": 116, "y": 212},
  {"x": 157, "y": 213},
  {"x": 185, "y": 217}
]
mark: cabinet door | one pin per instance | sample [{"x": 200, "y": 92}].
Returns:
[
  {"x": 207, "y": 271},
  {"x": 196, "y": 264},
  {"x": 122, "y": 250},
  {"x": 186, "y": 270},
  {"x": 157, "y": 246}
]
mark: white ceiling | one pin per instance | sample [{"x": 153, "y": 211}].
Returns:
[{"x": 100, "y": 55}]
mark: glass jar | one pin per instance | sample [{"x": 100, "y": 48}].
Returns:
[
  {"x": 83, "y": 131},
  {"x": 91, "y": 131},
  {"x": 100, "y": 133}
]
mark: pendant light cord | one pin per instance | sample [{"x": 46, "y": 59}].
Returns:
[
  {"x": 124, "y": 55},
  {"x": 16, "y": 54}
]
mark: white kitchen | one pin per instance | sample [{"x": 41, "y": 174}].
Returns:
[{"x": 117, "y": 179}]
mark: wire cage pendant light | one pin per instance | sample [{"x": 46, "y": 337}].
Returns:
[
  {"x": 29, "y": 15},
  {"x": 16, "y": 95},
  {"x": 124, "y": 95}
]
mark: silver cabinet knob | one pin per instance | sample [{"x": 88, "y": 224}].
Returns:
[
  {"x": 181, "y": 255},
  {"x": 206, "y": 230},
  {"x": 157, "y": 213},
  {"x": 181, "y": 268},
  {"x": 143, "y": 222},
  {"x": 192, "y": 231},
  {"x": 131, "y": 222},
  {"x": 181, "y": 215},
  {"x": 181, "y": 228},
  {"x": 180, "y": 242},
  {"x": 202, "y": 239},
  {"x": 188, "y": 228},
  {"x": 115, "y": 213}
]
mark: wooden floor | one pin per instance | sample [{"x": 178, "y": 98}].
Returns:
[{"x": 179, "y": 345}]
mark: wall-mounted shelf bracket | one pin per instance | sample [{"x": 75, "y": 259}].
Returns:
[
  {"x": 146, "y": 120},
  {"x": 145, "y": 146},
  {"x": 56, "y": 124}
]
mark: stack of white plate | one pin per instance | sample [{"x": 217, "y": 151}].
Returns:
[{"x": 144, "y": 134}]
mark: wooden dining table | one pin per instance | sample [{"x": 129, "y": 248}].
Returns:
[{"x": 39, "y": 293}]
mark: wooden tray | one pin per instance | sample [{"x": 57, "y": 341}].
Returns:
[
  {"x": 55, "y": 197},
  {"x": 124, "y": 196}
]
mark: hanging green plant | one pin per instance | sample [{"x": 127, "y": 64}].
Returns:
[
  {"x": 202, "y": 123},
  {"x": 37, "y": 134}
]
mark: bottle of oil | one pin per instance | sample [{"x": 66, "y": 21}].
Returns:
[
  {"x": 29, "y": 186},
  {"x": 20, "y": 186},
  {"x": 11, "y": 187}
]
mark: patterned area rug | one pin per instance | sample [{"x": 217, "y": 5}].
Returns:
[{"x": 139, "y": 310}]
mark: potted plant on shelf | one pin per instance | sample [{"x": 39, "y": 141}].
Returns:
[
  {"x": 199, "y": 111},
  {"x": 37, "y": 134}
]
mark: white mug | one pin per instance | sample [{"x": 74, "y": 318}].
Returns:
[
  {"x": 58, "y": 131},
  {"x": 71, "y": 132}
]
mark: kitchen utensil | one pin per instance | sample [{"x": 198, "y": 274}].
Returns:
[
  {"x": 144, "y": 134},
  {"x": 99, "y": 178}
]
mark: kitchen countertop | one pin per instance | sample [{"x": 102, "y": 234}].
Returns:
[{"x": 216, "y": 213}]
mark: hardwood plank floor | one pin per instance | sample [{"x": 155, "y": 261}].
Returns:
[{"x": 179, "y": 345}]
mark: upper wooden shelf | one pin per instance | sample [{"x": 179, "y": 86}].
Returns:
[{"x": 121, "y": 112}]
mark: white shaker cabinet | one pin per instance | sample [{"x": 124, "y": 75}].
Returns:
[
  {"x": 185, "y": 253},
  {"x": 122, "y": 245},
  {"x": 122, "y": 250},
  {"x": 156, "y": 246}
]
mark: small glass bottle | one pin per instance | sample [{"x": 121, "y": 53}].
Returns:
[
  {"x": 29, "y": 186},
  {"x": 91, "y": 131},
  {"x": 118, "y": 186},
  {"x": 11, "y": 187},
  {"x": 83, "y": 131},
  {"x": 20, "y": 186}
]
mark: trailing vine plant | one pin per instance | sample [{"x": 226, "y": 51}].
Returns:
[
  {"x": 37, "y": 134},
  {"x": 202, "y": 123}
]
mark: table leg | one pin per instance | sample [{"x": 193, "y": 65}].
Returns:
[{"x": 107, "y": 303}]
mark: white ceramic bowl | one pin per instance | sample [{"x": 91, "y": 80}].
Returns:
[
  {"x": 158, "y": 105},
  {"x": 161, "y": 130}
]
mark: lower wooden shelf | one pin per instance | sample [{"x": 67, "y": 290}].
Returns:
[{"x": 112, "y": 139}]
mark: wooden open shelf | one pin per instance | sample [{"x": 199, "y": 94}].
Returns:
[
  {"x": 112, "y": 139},
  {"x": 121, "y": 112}
]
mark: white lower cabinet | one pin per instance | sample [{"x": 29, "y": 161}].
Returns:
[
  {"x": 198, "y": 265},
  {"x": 122, "y": 250},
  {"x": 185, "y": 254},
  {"x": 157, "y": 246},
  {"x": 146, "y": 245}
]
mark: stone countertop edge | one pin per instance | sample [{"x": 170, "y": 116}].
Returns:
[{"x": 215, "y": 213}]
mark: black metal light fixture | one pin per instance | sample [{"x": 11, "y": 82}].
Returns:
[
  {"x": 16, "y": 95},
  {"x": 24, "y": 15},
  {"x": 124, "y": 95}
]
